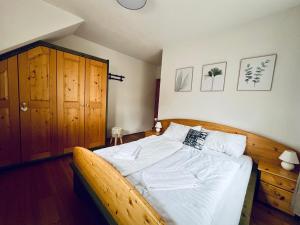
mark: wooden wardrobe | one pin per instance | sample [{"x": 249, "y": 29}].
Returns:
[{"x": 51, "y": 99}]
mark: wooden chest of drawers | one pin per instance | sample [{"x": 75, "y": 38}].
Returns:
[{"x": 277, "y": 186}]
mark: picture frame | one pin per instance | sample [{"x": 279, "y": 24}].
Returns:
[
  {"x": 184, "y": 79},
  {"x": 213, "y": 77},
  {"x": 257, "y": 73}
]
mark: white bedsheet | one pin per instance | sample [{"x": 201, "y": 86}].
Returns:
[
  {"x": 221, "y": 179},
  {"x": 169, "y": 180},
  {"x": 153, "y": 149},
  {"x": 230, "y": 213},
  {"x": 128, "y": 152}
]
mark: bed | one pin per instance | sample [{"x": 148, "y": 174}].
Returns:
[{"x": 124, "y": 196}]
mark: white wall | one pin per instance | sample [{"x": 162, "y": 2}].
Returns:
[
  {"x": 274, "y": 114},
  {"x": 25, "y": 21},
  {"x": 131, "y": 102},
  {"x": 158, "y": 72}
]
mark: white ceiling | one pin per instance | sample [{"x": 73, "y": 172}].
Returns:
[
  {"x": 19, "y": 24},
  {"x": 143, "y": 33}
]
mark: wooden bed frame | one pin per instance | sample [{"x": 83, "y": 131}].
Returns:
[{"x": 118, "y": 199}]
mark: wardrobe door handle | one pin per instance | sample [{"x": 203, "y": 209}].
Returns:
[{"x": 23, "y": 107}]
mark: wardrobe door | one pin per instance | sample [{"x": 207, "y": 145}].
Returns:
[
  {"x": 9, "y": 112},
  {"x": 70, "y": 90},
  {"x": 95, "y": 99},
  {"x": 37, "y": 77}
]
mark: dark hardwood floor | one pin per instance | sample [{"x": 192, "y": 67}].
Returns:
[
  {"x": 264, "y": 215},
  {"x": 128, "y": 138},
  {"x": 42, "y": 194}
]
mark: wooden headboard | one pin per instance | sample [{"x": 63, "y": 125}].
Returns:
[{"x": 258, "y": 147}]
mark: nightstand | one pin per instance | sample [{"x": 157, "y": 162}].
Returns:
[
  {"x": 151, "y": 132},
  {"x": 277, "y": 186}
]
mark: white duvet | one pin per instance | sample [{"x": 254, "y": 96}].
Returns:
[
  {"x": 196, "y": 205},
  {"x": 153, "y": 149}
]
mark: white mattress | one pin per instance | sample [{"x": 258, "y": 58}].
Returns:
[{"x": 222, "y": 180}]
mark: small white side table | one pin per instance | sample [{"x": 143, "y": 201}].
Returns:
[{"x": 116, "y": 133}]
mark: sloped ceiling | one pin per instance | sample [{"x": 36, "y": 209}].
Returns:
[
  {"x": 25, "y": 21},
  {"x": 143, "y": 33}
]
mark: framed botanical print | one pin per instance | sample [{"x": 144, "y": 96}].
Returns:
[
  {"x": 256, "y": 73},
  {"x": 213, "y": 76},
  {"x": 184, "y": 79}
]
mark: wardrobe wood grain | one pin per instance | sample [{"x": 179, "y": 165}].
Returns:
[
  {"x": 95, "y": 103},
  {"x": 51, "y": 100},
  {"x": 9, "y": 113},
  {"x": 37, "y": 89},
  {"x": 70, "y": 100}
]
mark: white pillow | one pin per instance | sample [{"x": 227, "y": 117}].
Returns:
[
  {"x": 230, "y": 144},
  {"x": 178, "y": 132}
]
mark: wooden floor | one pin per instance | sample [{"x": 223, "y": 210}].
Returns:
[
  {"x": 41, "y": 194},
  {"x": 264, "y": 215}
]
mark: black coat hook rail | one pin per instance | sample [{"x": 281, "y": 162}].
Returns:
[{"x": 115, "y": 77}]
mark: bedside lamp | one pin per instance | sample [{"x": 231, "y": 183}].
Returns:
[
  {"x": 289, "y": 158},
  {"x": 158, "y": 126}
]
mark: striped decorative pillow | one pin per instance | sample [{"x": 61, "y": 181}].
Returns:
[{"x": 195, "y": 138}]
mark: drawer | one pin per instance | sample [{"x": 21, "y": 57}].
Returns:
[
  {"x": 277, "y": 181},
  {"x": 276, "y": 197}
]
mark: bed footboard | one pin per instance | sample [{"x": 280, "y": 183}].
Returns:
[{"x": 124, "y": 203}]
